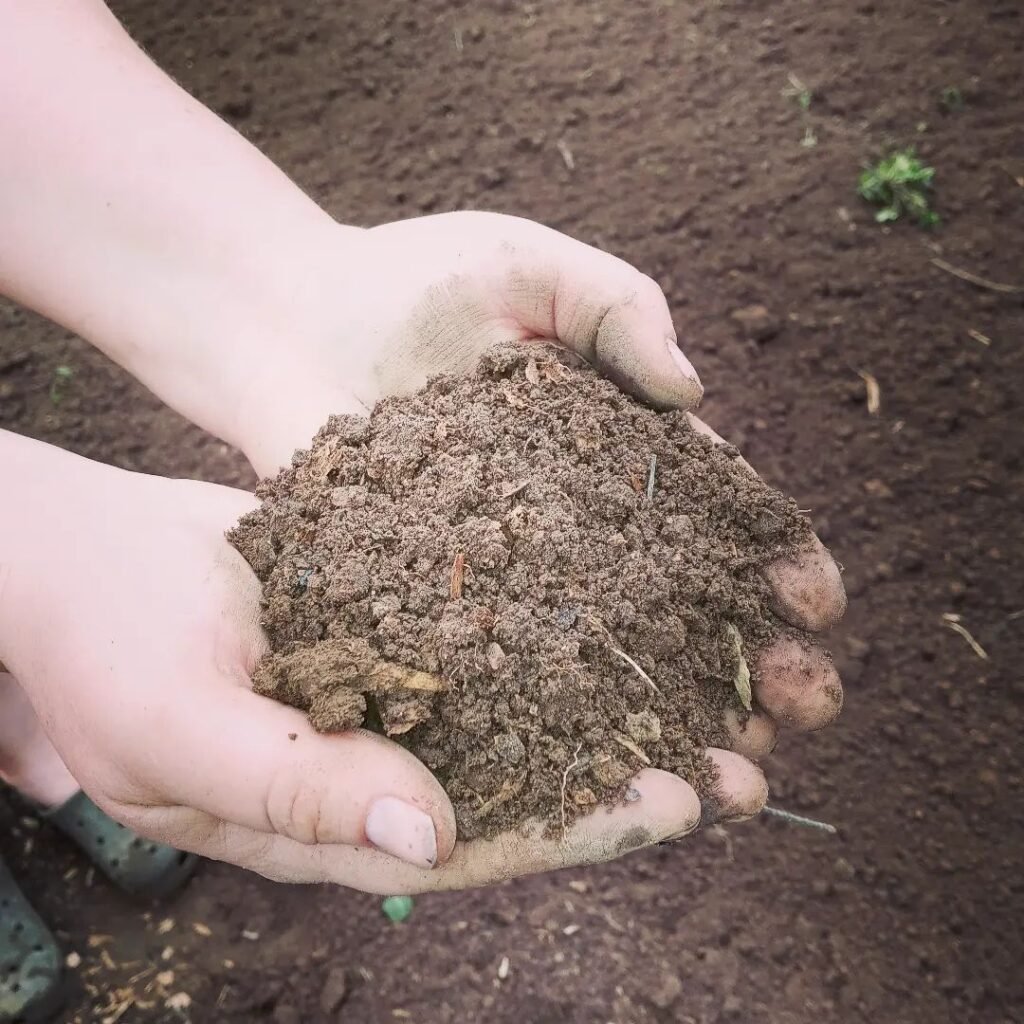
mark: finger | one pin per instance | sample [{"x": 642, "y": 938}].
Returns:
[
  {"x": 797, "y": 684},
  {"x": 600, "y": 307},
  {"x": 740, "y": 789},
  {"x": 659, "y": 806},
  {"x": 255, "y": 763},
  {"x": 807, "y": 587},
  {"x": 753, "y": 735}
]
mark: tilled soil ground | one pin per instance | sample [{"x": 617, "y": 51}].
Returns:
[{"x": 659, "y": 131}]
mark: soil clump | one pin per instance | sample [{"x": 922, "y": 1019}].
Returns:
[{"x": 534, "y": 582}]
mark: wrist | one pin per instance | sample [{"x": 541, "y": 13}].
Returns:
[
  {"x": 61, "y": 516},
  {"x": 41, "y": 514},
  {"x": 184, "y": 253},
  {"x": 271, "y": 365}
]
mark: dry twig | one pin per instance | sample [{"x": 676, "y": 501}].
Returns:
[
  {"x": 636, "y": 668},
  {"x": 953, "y": 622},
  {"x": 799, "y": 819},
  {"x": 978, "y": 282},
  {"x": 565, "y": 781},
  {"x": 650, "y": 478},
  {"x": 458, "y": 575},
  {"x": 874, "y": 392}
]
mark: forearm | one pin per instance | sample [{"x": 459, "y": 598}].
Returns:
[{"x": 135, "y": 217}]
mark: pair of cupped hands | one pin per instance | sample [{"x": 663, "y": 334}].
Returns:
[{"x": 134, "y": 626}]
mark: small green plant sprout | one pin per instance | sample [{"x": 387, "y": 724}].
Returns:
[
  {"x": 899, "y": 184},
  {"x": 61, "y": 378},
  {"x": 396, "y": 908},
  {"x": 951, "y": 99},
  {"x": 802, "y": 96},
  {"x": 798, "y": 91}
]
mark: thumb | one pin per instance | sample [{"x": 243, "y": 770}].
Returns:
[
  {"x": 251, "y": 762},
  {"x": 602, "y": 308}
]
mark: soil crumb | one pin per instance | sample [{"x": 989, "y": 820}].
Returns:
[{"x": 535, "y": 583}]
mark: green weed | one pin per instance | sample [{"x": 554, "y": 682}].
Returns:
[
  {"x": 951, "y": 99},
  {"x": 803, "y": 97},
  {"x": 798, "y": 92},
  {"x": 61, "y": 378},
  {"x": 899, "y": 184}
]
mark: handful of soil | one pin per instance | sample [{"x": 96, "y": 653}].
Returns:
[{"x": 535, "y": 583}]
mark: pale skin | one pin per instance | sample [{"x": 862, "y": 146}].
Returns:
[{"x": 135, "y": 217}]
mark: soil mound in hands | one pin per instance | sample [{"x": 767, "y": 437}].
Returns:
[{"x": 490, "y": 573}]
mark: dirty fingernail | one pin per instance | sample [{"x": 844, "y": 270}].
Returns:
[
  {"x": 713, "y": 813},
  {"x": 676, "y": 836},
  {"x": 684, "y": 364},
  {"x": 403, "y": 831},
  {"x": 710, "y": 811}
]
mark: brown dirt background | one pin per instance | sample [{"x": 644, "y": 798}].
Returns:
[{"x": 687, "y": 162}]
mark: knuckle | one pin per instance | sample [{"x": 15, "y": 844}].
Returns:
[
  {"x": 648, "y": 291},
  {"x": 294, "y": 808}
]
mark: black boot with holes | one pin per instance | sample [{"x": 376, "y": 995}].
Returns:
[
  {"x": 31, "y": 985},
  {"x": 31, "y": 982},
  {"x": 136, "y": 865}
]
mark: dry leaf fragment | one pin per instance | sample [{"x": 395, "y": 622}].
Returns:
[
  {"x": 532, "y": 373},
  {"x": 509, "y": 788},
  {"x": 555, "y": 371},
  {"x": 626, "y": 742},
  {"x": 742, "y": 680},
  {"x": 404, "y": 711},
  {"x": 874, "y": 392},
  {"x": 458, "y": 575}
]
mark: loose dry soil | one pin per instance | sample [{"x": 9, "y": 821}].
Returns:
[
  {"x": 572, "y": 579},
  {"x": 687, "y": 161}
]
